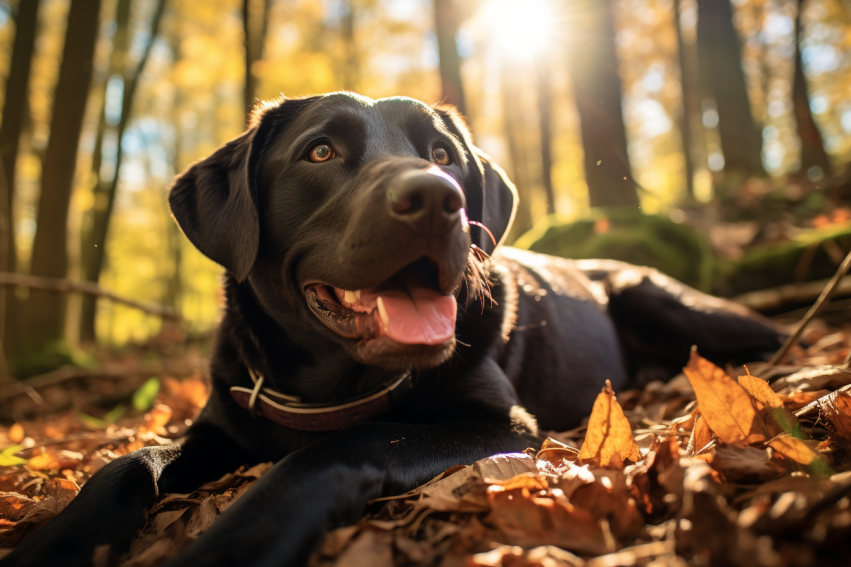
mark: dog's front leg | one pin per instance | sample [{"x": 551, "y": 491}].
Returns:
[
  {"x": 111, "y": 505},
  {"x": 286, "y": 513}
]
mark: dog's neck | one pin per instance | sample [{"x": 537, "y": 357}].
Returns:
[{"x": 277, "y": 344}]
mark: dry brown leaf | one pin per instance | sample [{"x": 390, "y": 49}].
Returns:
[
  {"x": 724, "y": 404},
  {"x": 529, "y": 520},
  {"x": 745, "y": 464},
  {"x": 370, "y": 549},
  {"x": 504, "y": 466},
  {"x": 836, "y": 408},
  {"x": 609, "y": 440},
  {"x": 14, "y": 506},
  {"x": 51, "y": 459},
  {"x": 156, "y": 419},
  {"x": 798, "y": 399},
  {"x": 463, "y": 491},
  {"x": 760, "y": 391},
  {"x": 16, "y": 433},
  {"x": 554, "y": 451},
  {"x": 514, "y": 556},
  {"x": 794, "y": 449},
  {"x": 701, "y": 436}
]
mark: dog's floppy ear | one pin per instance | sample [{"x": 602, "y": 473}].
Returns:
[
  {"x": 215, "y": 200},
  {"x": 491, "y": 196}
]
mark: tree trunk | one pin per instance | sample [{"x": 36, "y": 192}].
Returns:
[
  {"x": 106, "y": 190},
  {"x": 813, "y": 153},
  {"x": 519, "y": 170},
  {"x": 117, "y": 66},
  {"x": 43, "y": 317},
  {"x": 254, "y": 25},
  {"x": 691, "y": 100},
  {"x": 446, "y": 27},
  {"x": 545, "y": 129},
  {"x": 722, "y": 78},
  {"x": 597, "y": 91},
  {"x": 14, "y": 110}
]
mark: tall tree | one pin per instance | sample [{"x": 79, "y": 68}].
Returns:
[
  {"x": 94, "y": 241},
  {"x": 545, "y": 130},
  {"x": 117, "y": 68},
  {"x": 690, "y": 118},
  {"x": 519, "y": 170},
  {"x": 15, "y": 108},
  {"x": 446, "y": 22},
  {"x": 43, "y": 317},
  {"x": 813, "y": 153},
  {"x": 597, "y": 91},
  {"x": 723, "y": 79},
  {"x": 255, "y": 17}
]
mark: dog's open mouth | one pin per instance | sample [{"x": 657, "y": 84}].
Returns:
[{"x": 407, "y": 308}]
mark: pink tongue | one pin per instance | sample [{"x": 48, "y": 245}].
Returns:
[{"x": 418, "y": 314}]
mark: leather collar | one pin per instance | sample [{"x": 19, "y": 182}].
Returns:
[{"x": 290, "y": 412}]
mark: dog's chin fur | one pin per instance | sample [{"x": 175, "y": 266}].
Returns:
[{"x": 388, "y": 354}]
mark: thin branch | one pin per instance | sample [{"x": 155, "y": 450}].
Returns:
[
  {"x": 65, "y": 286},
  {"x": 825, "y": 296}
]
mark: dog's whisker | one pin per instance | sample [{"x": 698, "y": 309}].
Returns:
[{"x": 483, "y": 227}]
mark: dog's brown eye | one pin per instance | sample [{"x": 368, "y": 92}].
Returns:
[
  {"x": 322, "y": 152},
  {"x": 441, "y": 156}
]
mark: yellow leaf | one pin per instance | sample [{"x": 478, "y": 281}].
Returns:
[
  {"x": 609, "y": 440},
  {"x": 723, "y": 403},
  {"x": 761, "y": 391},
  {"x": 794, "y": 449}
]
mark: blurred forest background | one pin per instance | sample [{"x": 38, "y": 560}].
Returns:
[{"x": 708, "y": 138}]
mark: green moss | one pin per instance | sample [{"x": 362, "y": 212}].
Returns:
[
  {"x": 805, "y": 258},
  {"x": 630, "y": 236},
  {"x": 51, "y": 356}
]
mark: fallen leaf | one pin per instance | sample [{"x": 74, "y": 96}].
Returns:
[
  {"x": 554, "y": 451},
  {"x": 8, "y": 457},
  {"x": 794, "y": 449},
  {"x": 780, "y": 420},
  {"x": 701, "y": 436},
  {"x": 52, "y": 459},
  {"x": 836, "y": 408},
  {"x": 146, "y": 395},
  {"x": 14, "y": 506},
  {"x": 724, "y": 404},
  {"x": 609, "y": 440},
  {"x": 745, "y": 464},
  {"x": 370, "y": 549},
  {"x": 532, "y": 520},
  {"x": 504, "y": 466},
  {"x": 156, "y": 419},
  {"x": 16, "y": 433}
]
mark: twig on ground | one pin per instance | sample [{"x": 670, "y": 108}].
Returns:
[
  {"x": 776, "y": 297},
  {"x": 825, "y": 296},
  {"x": 59, "y": 375},
  {"x": 65, "y": 286}
]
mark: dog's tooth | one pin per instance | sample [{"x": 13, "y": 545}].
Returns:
[
  {"x": 357, "y": 294},
  {"x": 350, "y": 296},
  {"x": 382, "y": 312}
]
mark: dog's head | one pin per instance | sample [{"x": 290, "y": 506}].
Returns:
[{"x": 361, "y": 218}]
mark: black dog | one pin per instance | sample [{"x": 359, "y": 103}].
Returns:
[{"x": 368, "y": 344}]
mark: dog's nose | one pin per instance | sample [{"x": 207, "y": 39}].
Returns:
[{"x": 426, "y": 194}]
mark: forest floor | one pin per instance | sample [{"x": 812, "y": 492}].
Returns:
[{"x": 715, "y": 467}]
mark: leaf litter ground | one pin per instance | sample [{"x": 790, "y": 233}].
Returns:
[{"x": 736, "y": 466}]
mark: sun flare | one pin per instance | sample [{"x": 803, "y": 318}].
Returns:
[{"x": 521, "y": 29}]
